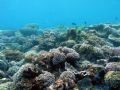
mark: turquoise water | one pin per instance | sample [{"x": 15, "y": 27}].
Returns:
[
  {"x": 59, "y": 44},
  {"x": 47, "y": 13}
]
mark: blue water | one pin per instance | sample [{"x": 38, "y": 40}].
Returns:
[{"x": 47, "y": 13}]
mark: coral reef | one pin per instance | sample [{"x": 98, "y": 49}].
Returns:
[{"x": 60, "y": 58}]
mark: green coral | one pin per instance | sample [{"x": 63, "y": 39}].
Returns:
[{"x": 112, "y": 78}]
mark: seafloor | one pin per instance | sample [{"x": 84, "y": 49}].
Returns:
[{"x": 60, "y": 58}]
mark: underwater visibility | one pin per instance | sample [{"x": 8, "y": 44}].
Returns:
[{"x": 59, "y": 44}]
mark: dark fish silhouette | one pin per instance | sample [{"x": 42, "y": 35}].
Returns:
[{"x": 73, "y": 23}]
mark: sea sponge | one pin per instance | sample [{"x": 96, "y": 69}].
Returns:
[{"x": 112, "y": 78}]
